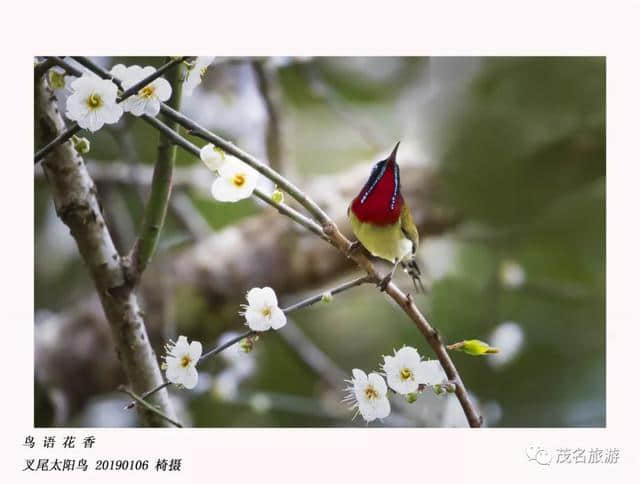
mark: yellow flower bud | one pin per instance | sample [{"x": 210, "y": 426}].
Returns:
[
  {"x": 473, "y": 347},
  {"x": 277, "y": 196}
]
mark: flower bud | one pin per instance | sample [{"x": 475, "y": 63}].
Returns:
[
  {"x": 327, "y": 297},
  {"x": 246, "y": 345},
  {"x": 412, "y": 397},
  {"x": 277, "y": 196},
  {"x": 56, "y": 79},
  {"x": 82, "y": 145},
  {"x": 473, "y": 347}
]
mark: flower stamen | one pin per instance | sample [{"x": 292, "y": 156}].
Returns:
[
  {"x": 370, "y": 393},
  {"x": 239, "y": 180},
  {"x": 147, "y": 91},
  {"x": 406, "y": 374},
  {"x": 94, "y": 101}
]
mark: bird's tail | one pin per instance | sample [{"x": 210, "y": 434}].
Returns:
[{"x": 411, "y": 267}]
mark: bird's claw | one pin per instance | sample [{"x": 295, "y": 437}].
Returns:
[
  {"x": 384, "y": 282},
  {"x": 353, "y": 247}
]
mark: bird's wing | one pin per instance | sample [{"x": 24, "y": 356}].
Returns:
[{"x": 409, "y": 228}]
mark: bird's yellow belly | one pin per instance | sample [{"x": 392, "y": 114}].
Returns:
[{"x": 387, "y": 242}]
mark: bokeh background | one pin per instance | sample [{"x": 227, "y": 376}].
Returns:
[{"x": 504, "y": 163}]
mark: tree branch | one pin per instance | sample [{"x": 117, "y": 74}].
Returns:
[
  {"x": 405, "y": 301},
  {"x": 149, "y": 407},
  {"x": 302, "y": 304},
  {"x": 74, "y": 128},
  {"x": 74, "y": 195},
  {"x": 156, "y": 209},
  {"x": 337, "y": 239},
  {"x": 281, "y": 207}
]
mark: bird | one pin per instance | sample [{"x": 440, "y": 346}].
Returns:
[{"x": 382, "y": 222}]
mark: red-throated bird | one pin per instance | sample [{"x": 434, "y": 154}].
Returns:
[{"x": 382, "y": 222}]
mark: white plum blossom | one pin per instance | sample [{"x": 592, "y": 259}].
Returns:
[
  {"x": 181, "y": 362},
  {"x": 368, "y": 394},
  {"x": 148, "y": 99},
  {"x": 119, "y": 71},
  {"x": 262, "y": 313},
  {"x": 236, "y": 182},
  {"x": 213, "y": 157},
  {"x": 93, "y": 103},
  {"x": 405, "y": 371},
  {"x": 195, "y": 73}
]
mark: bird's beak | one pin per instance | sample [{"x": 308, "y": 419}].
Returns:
[{"x": 392, "y": 156}]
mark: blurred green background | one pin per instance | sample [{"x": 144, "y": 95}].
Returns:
[{"x": 519, "y": 147}]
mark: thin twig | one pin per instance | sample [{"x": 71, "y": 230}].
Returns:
[
  {"x": 227, "y": 344},
  {"x": 336, "y": 290},
  {"x": 295, "y": 192},
  {"x": 74, "y": 128},
  {"x": 281, "y": 207},
  {"x": 302, "y": 304},
  {"x": 148, "y": 406},
  {"x": 145, "y": 395},
  {"x": 57, "y": 141},
  {"x": 148, "y": 80},
  {"x": 296, "y": 216}
]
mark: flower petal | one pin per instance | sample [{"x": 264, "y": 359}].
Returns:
[
  {"x": 256, "y": 321},
  {"x": 378, "y": 383},
  {"x": 152, "y": 107},
  {"x": 255, "y": 297},
  {"x": 430, "y": 372},
  {"x": 190, "y": 378},
  {"x": 278, "y": 318},
  {"x": 212, "y": 157},
  {"x": 367, "y": 410},
  {"x": 224, "y": 191},
  {"x": 172, "y": 371},
  {"x": 195, "y": 351},
  {"x": 382, "y": 407},
  {"x": 111, "y": 113},
  {"x": 269, "y": 296},
  {"x": 359, "y": 375},
  {"x": 409, "y": 356},
  {"x": 162, "y": 89}
]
